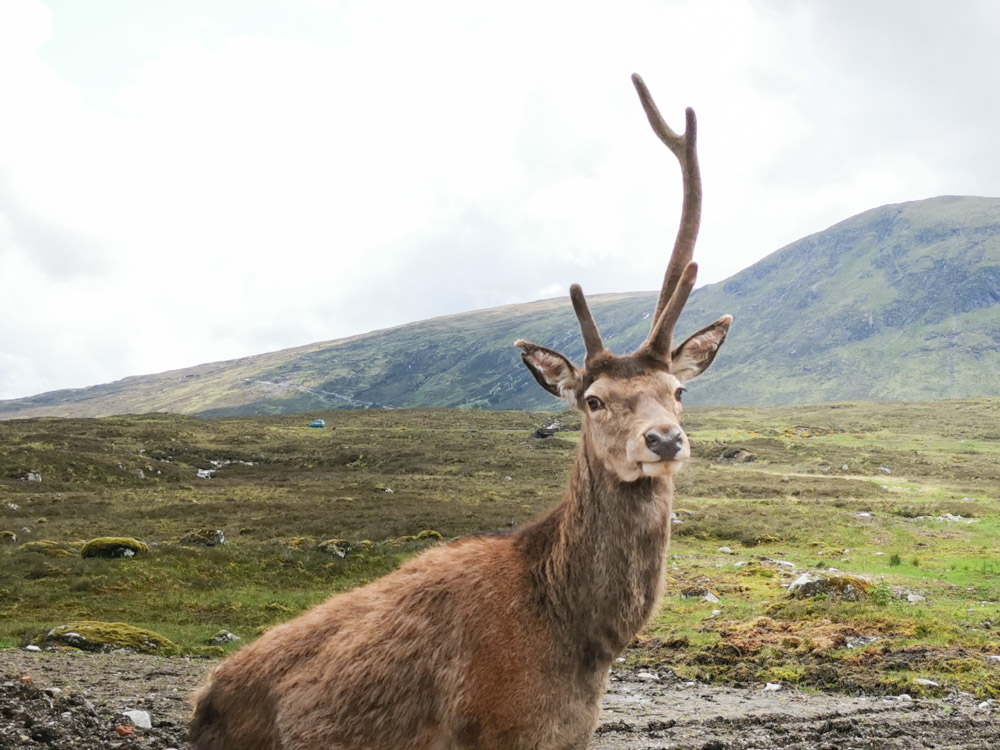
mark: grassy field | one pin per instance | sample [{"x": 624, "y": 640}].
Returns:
[{"x": 904, "y": 496}]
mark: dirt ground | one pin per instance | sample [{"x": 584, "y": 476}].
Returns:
[{"x": 76, "y": 700}]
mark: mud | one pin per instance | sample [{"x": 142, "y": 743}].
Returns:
[{"x": 75, "y": 700}]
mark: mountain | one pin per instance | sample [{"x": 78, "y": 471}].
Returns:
[{"x": 898, "y": 303}]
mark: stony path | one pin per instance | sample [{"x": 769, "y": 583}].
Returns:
[{"x": 75, "y": 700}]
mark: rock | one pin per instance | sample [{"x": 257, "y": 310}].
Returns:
[
  {"x": 695, "y": 592},
  {"x": 140, "y": 474},
  {"x": 923, "y": 682},
  {"x": 124, "y": 730},
  {"x": 338, "y": 547},
  {"x": 114, "y": 547},
  {"x": 914, "y": 598},
  {"x": 140, "y": 719},
  {"x": 848, "y": 588},
  {"x": 737, "y": 455},
  {"x": 34, "y": 476},
  {"x": 772, "y": 687},
  {"x": 8, "y": 537},
  {"x": 885, "y": 469},
  {"x": 904, "y": 698},
  {"x": 647, "y": 676},
  {"x": 726, "y": 550},
  {"x": 223, "y": 637},
  {"x": 205, "y": 537},
  {"x": 93, "y": 635},
  {"x": 32, "y": 647}
]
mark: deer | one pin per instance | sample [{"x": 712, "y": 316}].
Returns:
[{"x": 502, "y": 640}]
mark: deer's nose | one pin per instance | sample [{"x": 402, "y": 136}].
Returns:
[{"x": 665, "y": 444}]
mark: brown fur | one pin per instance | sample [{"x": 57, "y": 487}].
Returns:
[{"x": 494, "y": 642}]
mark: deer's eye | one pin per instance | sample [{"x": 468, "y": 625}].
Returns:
[
  {"x": 594, "y": 403},
  {"x": 678, "y": 393}
]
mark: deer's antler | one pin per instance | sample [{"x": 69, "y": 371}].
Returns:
[{"x": 678, "y": 281}]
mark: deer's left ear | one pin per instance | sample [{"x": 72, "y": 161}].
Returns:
[
  {"x": 692, "y": 358},
  {"x": 552, "y": 370}
]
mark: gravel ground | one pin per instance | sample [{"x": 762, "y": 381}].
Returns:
[{"x": 76, "y": 700}]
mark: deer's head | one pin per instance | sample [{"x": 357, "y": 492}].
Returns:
[{"x": 631, "y": 404}]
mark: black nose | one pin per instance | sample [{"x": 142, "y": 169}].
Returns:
[{"x": 665, "y": 445}]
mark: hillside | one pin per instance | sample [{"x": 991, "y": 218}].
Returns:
[{"x": 898, "y": 303}]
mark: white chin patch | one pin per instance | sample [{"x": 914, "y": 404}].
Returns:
[{"x": 659, "y": 468}]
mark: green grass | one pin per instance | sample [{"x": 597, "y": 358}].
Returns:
[{"x": 814, "y": 495}]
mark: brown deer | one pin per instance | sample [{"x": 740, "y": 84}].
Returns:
[{"x": 499, "y": 641}]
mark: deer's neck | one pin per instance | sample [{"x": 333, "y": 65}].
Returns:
[{"x": 597, "y": 558}]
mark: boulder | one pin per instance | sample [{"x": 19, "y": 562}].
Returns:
[
  {"x": 849, "y": 588},
  {"x": 114, "y": 547},
  {"x": 93, "y": 635}
]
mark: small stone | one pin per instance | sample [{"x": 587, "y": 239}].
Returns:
[
  {"x": 726, "y": 550},
  {"x": 124, "y": 730},
  {"x": 223, "y": 637},
  {"x": 139, "y": 718},
  {"x": 32, "y": 647},
  {"x": 904, "y": 698},
  {"x": 52, "y": 692},
  {"x": 914, "y": 598},
  {"x": 885, "y": 469},
  {"x": 985, "y": 706},
  {"x": 647, "y": 676},
  {"x": 772, "y": 687},
  {"x": 925, "y": 682}
]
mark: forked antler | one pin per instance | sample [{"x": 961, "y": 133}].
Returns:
[{"x": 678, "y": 281}]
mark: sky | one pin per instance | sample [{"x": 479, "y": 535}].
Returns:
[{"x": 198, "y": 180}]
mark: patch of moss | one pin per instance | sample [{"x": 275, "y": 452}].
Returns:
[
  {"x": 114, "y": 546},
  {"x": 45, "y": 547}
]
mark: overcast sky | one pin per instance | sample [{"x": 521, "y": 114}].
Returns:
[{"x": 197, "y": 180}]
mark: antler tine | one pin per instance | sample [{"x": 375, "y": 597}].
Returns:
[
  {"x": 684, "y": 147},
  {"x": 660, "y": 341},
  {"x": 591, "y": 336}
]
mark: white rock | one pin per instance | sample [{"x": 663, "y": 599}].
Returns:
[
  {"x": 620, "y": 660},
  {"x": 716, "y": 612},
  {"x": 139, "y": 718},
  {"x": 802, "y": 580},
  {"x": 914, "y": 598},
  {"x": 647, "y": 676},
  {"x": 993, "y": 657},
  {"x": 925, "y": 682},
  {"x": 726, "y": 550},
  {"x": 772, "y": 687},
  {"x": 32, "y": 648},
  {"x": 785, "y": 563},
  {"x": 985, "y": 706},
  {"x": 904, "y": 698},
  {"x": 711, "y": 598}
]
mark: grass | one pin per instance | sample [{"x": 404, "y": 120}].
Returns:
[{"x": 816, "y": 495}]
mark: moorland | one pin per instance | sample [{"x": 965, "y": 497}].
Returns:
[{"x": 899, "y": 500}]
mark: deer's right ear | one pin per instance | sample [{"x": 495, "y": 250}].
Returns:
[{"x": 553, "y": 371}]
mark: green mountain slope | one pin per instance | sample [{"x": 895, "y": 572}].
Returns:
[{"x": 900, "y": 302}]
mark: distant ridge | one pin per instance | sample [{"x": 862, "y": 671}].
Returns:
[{"x": 898, "y": 303}]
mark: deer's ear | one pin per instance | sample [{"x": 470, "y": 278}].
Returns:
[
  {"x": 553, "y": 371},
  {"x": 692, "y": 358}
]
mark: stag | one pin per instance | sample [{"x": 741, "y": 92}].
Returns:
[{"x": 500, "y": 641}]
